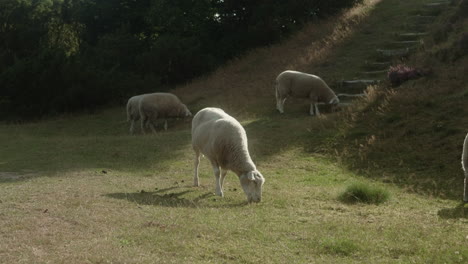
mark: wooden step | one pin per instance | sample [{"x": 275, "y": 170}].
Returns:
[
  {"x": 437, "y": 4},
  {"x": 374, "y": 72},
  {"x": 376, "y": 65},
  {"x": 393, "y": 52},
  {"x": 407, "y": 43},
  {"x": 361, "y": 83},
  {"x": 411, "y": 36}
]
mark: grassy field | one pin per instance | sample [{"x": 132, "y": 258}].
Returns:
[{"x": 79, "y": 189}]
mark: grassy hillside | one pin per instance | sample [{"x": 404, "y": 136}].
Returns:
[{"x": 79, "y": 189}]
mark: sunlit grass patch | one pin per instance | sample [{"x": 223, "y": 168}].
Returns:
[{"x": 364, "y": 193}]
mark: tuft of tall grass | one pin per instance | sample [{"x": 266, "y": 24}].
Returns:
[
  {"x": 364, "y": 193},
  {"x": 341, "y": 247}
]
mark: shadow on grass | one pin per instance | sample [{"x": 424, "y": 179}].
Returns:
[
  {"x": 460, "y": 211},
  {"x": 169, "y": 198}
]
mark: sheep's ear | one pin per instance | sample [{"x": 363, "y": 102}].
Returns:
[
  {"x": 334, "y": 101},
  {"x": 251, "y": 176}
]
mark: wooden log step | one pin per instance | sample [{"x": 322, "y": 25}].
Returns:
[
  {"x": 413, "y": 34},
  {"x": 406, "y": 43},
  {"x": 376, "y": 65},
  {"x": 375, "y": 72},
  {"x": 393, "y": 52},
  {"x": 423, "y": 17},
  {"x": 350, "y": 95},
  {"x": 359, "y": 83},
  {"x": 437, "y": 4}
]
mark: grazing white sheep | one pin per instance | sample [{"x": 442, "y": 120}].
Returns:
[
  {"x": 156, "y": 106},
  {"x": 465, "y": 167},
  {"x": 222, "y": 139},
  {"x": 133, "y": 112},
  {"x": 303, "y": 85}
]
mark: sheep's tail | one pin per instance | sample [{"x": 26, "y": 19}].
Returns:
[
  {"x": 129, "y": 109},
  {"x": 465, "y": 155},
  {"x": 276, "y": 90}
]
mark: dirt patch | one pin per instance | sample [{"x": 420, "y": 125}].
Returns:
[{"x": 15, "y": 176}]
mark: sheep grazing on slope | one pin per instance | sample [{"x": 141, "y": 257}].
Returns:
[
  {"x": 133, "y": 112},
  {"x": 465, "y": 168},
  {"x": 303, "y": 85},
  {"x": 222, "y": 139},
  {"x": 156, "y": 106}
]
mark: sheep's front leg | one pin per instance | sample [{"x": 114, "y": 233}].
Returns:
[
  {"x": 217, "y": 172},
  {"x": 314, "y": 109},
  {"x": 223, "y": 176},
  {"x": 165, "y": 124},
  {"x": 144, "y": 121},
  {"x": 465, "y": 192},
  {"x": 197, "y": 163},
  {"x": 279, "y": 105}
]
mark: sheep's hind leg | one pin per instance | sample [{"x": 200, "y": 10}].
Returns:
[
  {"x": 132, "y": 129},
  {"x": 152, "y": 125},
  {"x": 165, "y": 125},
  {"x": 196, "y": 181}
]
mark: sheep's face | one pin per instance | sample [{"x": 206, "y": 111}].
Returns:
[
  {"x": 334, "y": 104},
  {"x": 252, "y": 183},
  {"x": 186, "y": 112}
]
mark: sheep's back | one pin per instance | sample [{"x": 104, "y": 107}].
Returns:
[
  {"x": 304, "y": 85},
  {"x": 164, "y": 104},
  {"x": 220, "y": 137}
]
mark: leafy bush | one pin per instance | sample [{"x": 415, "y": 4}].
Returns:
[{"x": 363, "y": 193}]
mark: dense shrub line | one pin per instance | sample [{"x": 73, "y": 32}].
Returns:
[{"x": 67, "y": 55}]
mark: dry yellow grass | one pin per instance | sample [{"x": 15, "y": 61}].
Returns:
[{"x": 81, "y": 190}]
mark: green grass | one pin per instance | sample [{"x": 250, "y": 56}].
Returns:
[
  {"x": 79, "y": 189},
  {"x": 364, "y": 193}
]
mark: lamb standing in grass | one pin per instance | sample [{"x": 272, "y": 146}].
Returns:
[
  {"x": 465, "y": 168},
  {"x": 156, "y": 106},
  {"x": 133, "y": 113},
  {"x": 303, "y": 85},
  {"x": 222, "y": 139}
]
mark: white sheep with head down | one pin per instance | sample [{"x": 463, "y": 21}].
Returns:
[
  {"x": 133, "y": 112},
  {"x": 465, "y": 167},
  {"x": 302, "y": 85},
  {"x": 222, "y": 139},
  {"x": 156, "y": 106}
]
